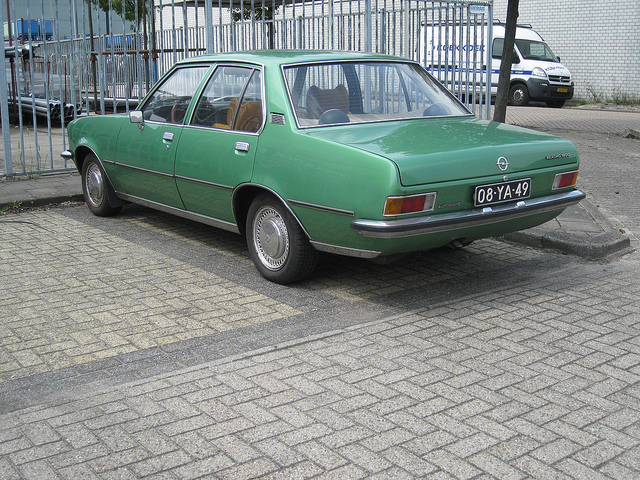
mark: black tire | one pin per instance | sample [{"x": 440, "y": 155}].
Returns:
[
  {"x": 519, "y": 95},
  {"x": 96, "y": 188},
  {"x": 555, "y": 103},
  {"x": 277, "y": 244}
]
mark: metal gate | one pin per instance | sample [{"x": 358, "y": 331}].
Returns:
[{"x": 69, "y": 58}]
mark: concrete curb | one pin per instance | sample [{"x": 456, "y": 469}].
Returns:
[
  {"x": 582, "y": 230},
  {"x": 45, "y": 190}
]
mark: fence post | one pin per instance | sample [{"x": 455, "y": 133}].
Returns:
[
  {"x": 300, "y": 42},
  {"x": 368, "y": 40},
  {"x": 331, "y": 44},
  {"x": 489, "y": 57},
  {"x": 406, "y": 40},
  {"x": 208, "y": 20},
  {"x": 4, "y": 111}
]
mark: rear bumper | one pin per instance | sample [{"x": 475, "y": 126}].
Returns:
[{"x": 471, "y": 218}]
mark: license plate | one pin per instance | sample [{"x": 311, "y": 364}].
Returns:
[
  {"x": 502, "y": 192},
  {"x": 563, "y": 90}
]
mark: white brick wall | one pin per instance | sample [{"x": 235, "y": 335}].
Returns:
[{"x": 597, "y": 40}]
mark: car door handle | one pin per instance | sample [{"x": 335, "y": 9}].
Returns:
[
  {"x": 242, "y": 146},
  {"x": 168, "y": 136}
]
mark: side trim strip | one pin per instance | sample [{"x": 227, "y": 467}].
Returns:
[
  {"x": 322, "y": 208},
  {"x": 138, "y": 169},
  {"x": 203, "y": 182},
  {"x": 197, "y": 217},
  {"x": 470, "y": 218}
]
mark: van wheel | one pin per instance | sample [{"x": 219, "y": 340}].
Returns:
[
  {"x": 519, "y": 95},
  {"x": 277, "y": 244},
  {"x": 555, "y": 103}
]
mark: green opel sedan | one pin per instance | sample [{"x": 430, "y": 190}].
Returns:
[{"x": 300, "y": 151}]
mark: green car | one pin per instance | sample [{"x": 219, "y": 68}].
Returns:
[{"x": 299, "y": 151}]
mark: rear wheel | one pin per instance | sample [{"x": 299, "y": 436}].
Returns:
[
  {"x": 277, "y": 245},
  {"x": 519, "y": 95},
  {"x": 96, "y": 188}
]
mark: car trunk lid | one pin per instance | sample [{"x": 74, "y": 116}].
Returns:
[{"x": 439, "y": 150}]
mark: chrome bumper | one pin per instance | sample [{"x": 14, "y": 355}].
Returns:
[{"x": 471, "y": 218}]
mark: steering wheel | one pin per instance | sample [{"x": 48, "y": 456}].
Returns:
[
  {"x": 178, "y": 111},
  {"x": 205, "y": 114},
  {"x": 435, "y": 110}
]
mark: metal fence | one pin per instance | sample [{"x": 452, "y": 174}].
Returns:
[{"x": 69, "y": 58}]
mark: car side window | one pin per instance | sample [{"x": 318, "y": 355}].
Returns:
[
  {"x": 232, "y": 100},
  {"x": 169, "y": 102}
]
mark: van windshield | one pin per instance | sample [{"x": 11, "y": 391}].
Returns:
[{"x": 535, "y": 50}]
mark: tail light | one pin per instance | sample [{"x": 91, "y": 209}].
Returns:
[
  {"x": 564, "y": 180},
  {"x": 403, "y": 205}
]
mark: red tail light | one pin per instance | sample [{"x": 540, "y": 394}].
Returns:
[
  {"x": 409, "y": 204},
  {"x": 564, "y": 180}
]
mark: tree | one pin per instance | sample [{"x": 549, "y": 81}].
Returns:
[
  {"x": 130, "y": 7},
  {"x": 259, "y": 14},
  {"x": 500, "y": 112}
]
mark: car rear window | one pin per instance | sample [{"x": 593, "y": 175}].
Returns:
[{"x": 361, "y": 92}]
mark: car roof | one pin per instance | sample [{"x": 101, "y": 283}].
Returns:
[{"x": 285, "y": 57}]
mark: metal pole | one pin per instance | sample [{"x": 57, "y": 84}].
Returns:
[
  {"x": 331, "y": 26},
  {"x": 489, "y": 57},
  {"x": 368, "y": 42},
  {"x": 406, "y": 41},
  {"x": 208, "y": 20},
  {"x": 4, "y": 110}
]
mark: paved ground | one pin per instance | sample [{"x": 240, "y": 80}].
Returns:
[{"x": 146, "y": 346}]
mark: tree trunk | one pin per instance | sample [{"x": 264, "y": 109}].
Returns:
[{"x": 500, "y": 112}]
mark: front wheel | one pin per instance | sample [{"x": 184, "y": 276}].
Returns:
[
  {"x": 277, "y": 244},
  {"x": 96, "y": 188},
  {"x": 519, "y": 95}
]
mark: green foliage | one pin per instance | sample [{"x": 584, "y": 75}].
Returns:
[
  {"x": 129, "y": 8},
  {"x": 259, "y": 13},
  {"x": 617, "y": 97},
  {"x": 15, "y": 205}
]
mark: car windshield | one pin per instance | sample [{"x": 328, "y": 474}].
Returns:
[
  {"x": 362, "y": 92},
  {"x": 534, "y": 50}
]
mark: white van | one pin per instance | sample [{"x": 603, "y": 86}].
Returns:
[{"x": 536, "y": 73}]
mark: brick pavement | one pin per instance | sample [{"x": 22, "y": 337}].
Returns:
[{"x": 495, "y": 361}]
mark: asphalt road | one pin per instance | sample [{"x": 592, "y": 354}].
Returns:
[{"x": 147, "y": 346}]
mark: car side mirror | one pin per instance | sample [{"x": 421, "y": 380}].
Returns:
[
  {"x": 515, "y": 59},
  {"x": 558, "y": 59},
  {"x": 135, "y": 116}
]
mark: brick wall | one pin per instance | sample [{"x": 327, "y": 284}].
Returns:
[{"x": 598, "y": 41}]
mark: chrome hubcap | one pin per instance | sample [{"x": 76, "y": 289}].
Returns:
[
  {"x": 271, "y": 238},
  {"x": 94, "y": 184},
  {"x": 518, "y": 96}
]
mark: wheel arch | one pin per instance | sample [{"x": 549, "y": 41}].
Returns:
[
  {"x": 244, "y": 195},
  {"x": 518, "y": 81},
  {"x": 81, "y": 153}
]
